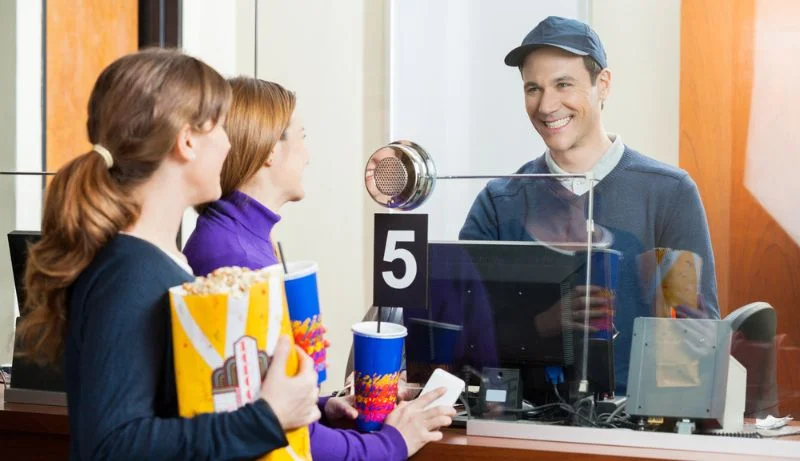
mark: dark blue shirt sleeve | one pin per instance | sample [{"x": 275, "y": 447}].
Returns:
[
  {"x": 128, "y": 410},
  {"x": 481, "y": 222}
]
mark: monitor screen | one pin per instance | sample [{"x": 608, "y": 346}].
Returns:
[
  {"x": 24, "y": 373},
  {"x": 503, "y": 304},
  {"x": 18, "y": 242}
]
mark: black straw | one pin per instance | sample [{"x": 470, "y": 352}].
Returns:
[
  {"x": 283, "y": 260},
  {"x": 380, "y": 316}
]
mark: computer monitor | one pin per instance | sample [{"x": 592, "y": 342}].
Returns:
[
  {"x": 26, "y": 375},
  {"x": 509, "y": 305},
  {"x": 18, "y": 242}
]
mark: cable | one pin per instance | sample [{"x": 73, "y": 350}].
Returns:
[
  {"x": 577, "y": 413},
  {"x": 5, "y": 378},
  {"x": 618, "y": 410},
  {"x": 555, "y": 390},
  {"x": 531, "y": 414},
  {"x": 465, "y": 402},
  {"x": 582, "y": 413}
]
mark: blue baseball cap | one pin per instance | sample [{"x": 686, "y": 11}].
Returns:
[{"x": 568, "y": 34}]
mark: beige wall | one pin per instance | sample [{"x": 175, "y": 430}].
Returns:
[
  {"x": 332, "y": 55},
  {"x": 8, "y": 40},
  {"x": 21, "y": 106},
  {"x": 642, "y": 40},
  {"x": 219, "y": 49}
]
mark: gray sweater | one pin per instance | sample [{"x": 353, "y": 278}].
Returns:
[{"x": 640, "y": 205}]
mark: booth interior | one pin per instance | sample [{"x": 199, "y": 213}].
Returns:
[{"x": 549, "y": 324}]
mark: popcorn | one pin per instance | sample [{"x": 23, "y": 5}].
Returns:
[
  {"x": 225, "y": 328},
  {"x": 232, "y": 280}
]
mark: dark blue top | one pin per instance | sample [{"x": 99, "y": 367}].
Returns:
[
  {"x": 120, "y": 375},
  {"x": 642, "y": 204}
]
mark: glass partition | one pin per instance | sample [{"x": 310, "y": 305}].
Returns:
[{"x": 510, "y": 310}]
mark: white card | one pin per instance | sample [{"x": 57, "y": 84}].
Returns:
[{"x": 440, "y": 378}]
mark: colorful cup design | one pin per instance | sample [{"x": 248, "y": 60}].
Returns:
[
  {"x": 378, "y": 357},
  {"x": 303, "y": 298}
]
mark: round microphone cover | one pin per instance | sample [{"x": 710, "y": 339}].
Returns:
[{"x": 400, "y": 175}]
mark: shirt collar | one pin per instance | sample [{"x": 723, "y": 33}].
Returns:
[
  {"x": 248, "y": 212},
  {"x": 175, "y": 258},
  {"x": 603, "y": 167},
  {"x": 179, "y": 261}
]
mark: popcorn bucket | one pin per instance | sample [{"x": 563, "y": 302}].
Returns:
[{"x": 224, "y": 331}]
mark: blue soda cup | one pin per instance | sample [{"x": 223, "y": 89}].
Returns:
[
  {"x": 605, "y": 275},
  {"x": 378, "y": 356},
  {"x": 302, "y": 297}
]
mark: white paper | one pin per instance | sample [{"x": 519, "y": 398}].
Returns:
[{"x": 771, "y": 422}]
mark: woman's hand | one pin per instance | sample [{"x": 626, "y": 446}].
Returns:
[
  {"x": 293, "y": 399},
  {"x": 341, "y": 408},
  {"x": 417, "y": 425}
]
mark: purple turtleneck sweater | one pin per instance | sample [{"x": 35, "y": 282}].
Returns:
[{"x": 235, "y": 231}]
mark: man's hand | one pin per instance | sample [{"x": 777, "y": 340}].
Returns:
[{"x": 550, "y": 323}]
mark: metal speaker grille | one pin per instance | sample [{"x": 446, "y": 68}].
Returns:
[{"x": 390, "y": 176}]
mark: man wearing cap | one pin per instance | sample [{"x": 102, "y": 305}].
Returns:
[{"x": 639, "y": 203}]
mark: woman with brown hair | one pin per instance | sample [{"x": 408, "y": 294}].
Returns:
[
  {"x": 97, "y": 281},
  {"x": 262, "y": 173}
]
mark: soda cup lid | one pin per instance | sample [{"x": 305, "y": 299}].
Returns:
[
  {"x": 299, "y": 269},
  {"x": 388, "y": 330}
]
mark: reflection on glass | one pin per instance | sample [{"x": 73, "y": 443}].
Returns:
[{"x": 772, "y": 144}]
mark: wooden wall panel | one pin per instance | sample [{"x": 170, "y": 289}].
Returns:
[
  {"x": 766, "y": 259},
  {"x": 705, "y": 120},
  {"x": 756, "y": 258},
  {"x": 82, "y": 38}
]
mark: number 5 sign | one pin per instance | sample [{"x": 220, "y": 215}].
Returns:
[{"x": 400, "y": 260}]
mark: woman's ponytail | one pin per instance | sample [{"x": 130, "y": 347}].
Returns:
[
  {"x": 137, "y": 107},
  {"x": 83, "y": 210}
]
